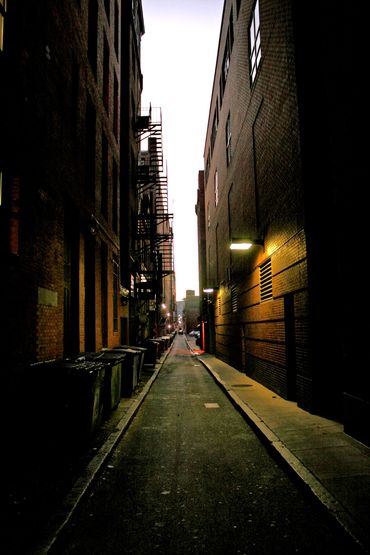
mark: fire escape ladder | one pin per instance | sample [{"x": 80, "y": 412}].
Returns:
[{"x": 154, "y": 252}]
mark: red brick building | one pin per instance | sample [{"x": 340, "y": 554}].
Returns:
[
  {"x": 281, "y": 152},
  {"x": 70, "y": 94}
]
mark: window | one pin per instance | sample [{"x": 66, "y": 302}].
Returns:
[
  {"x": 115, "y": 294},
  {"x": 104, "y": 293},
  {"x": 115, "y": 107},
  {"x": 208, "y": 216},
  {"x": 115, "y": 197},
  {"x": 214, "y": 126},
  {"x": 228, "y": 140},
  {"x": 266, "y": 281},
  {"x": 92, "y": 35},
  {"x": 116, "y": 28},
  {"x": 75, "y": 87},
  {"x": 227, "y": 55},
  {"x": 231, "y": 30},
  {"x": 90, "y": 146},
  {"x": 216, "y": 187},
  {"x": 2, "y": 22},
  {"x": 107, "y": 8},
  {"x": 106, "y": 75},
  {"x": 104, "y": 176},
  {"x": 9, "y": 213},
  {"x": 254, "y": 42},
  {"x": 207, "y": 167}
]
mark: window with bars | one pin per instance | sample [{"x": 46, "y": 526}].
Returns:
[
  {"x": 219, "y": 309},
  {"x": 266, "y": 281}
]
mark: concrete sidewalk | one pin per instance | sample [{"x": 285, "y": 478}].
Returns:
[{"x": 334, "y": 466}]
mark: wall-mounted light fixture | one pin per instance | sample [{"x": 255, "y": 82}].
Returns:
[
  {"x": 208, "y": 290},
  {"x": 244, "y": 244}
]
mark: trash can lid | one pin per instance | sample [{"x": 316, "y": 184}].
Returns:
[
  {"x": 112, "y": 355},
  {"x": 135, "y": 347},
  {"x": 127, "y": 350},
  {"x": 91, "y": 356}
]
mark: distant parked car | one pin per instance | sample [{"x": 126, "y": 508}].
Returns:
[
  {"x": 180, "y": 331},
  {"x": 195, "y": 333}
]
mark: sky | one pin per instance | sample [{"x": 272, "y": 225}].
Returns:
[{"x": 178, "y": 57}]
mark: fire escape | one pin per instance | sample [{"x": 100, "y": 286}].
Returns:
[{"x": 154, "y": 237}]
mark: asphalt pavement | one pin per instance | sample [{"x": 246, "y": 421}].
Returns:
[{"x": 334, "y": 467}]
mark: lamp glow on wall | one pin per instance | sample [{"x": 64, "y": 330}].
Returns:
[{"x": 244, "y": 244}]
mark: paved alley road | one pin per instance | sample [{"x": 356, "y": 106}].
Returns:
[{"x": 190, "y": 476}]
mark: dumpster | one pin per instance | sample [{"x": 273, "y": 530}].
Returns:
[
  {"x": 88, "y": 397},
  {"x": 160, "y": 343},
  {"x": 130, "y": 370},
  {"x": 163, "y": 342},
  {"x": 69, "y": 397},
  {"x": 167, "y": 341},
  {"x": 153, "y": 352},
  {"x": 142, "y": 351},
  {"x": 114, "y": 361}
]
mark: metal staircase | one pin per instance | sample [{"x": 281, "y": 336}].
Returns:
[{"x": 154, "y": 240}]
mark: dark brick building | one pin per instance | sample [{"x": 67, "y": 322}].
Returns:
[{"x": 282, "y": 167}]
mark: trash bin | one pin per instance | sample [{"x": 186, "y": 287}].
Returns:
[
  {"x": 114, "y": 361},
  {"x": 130, "y": 370},
  {"x": 153, "y": 352},
  {"x": 142, "y": 351},
  {"x": 87, "y": 406},
  {"x": 69, "y": 397}
]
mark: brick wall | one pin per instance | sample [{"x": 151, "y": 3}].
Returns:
[{"x": 260, "y": 196}]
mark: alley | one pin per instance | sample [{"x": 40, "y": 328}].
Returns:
[{"x": 190, "y": 476}]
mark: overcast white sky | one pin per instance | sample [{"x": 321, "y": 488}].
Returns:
[{"x": 178, "y": 59}]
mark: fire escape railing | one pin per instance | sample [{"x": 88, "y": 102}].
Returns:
[{"x": 154, "y": 236}]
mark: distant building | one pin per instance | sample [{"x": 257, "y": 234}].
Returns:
[
  {"x": 191, "y": 310},
  {"x": 282, "y": 165}
]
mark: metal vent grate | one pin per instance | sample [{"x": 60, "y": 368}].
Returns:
[
  {"x": 219, "y": 306},
  {"x": 266, "y": 280},
  {"x": 234, "y": 298}
]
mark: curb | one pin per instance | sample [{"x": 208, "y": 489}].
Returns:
[{"x": 335, "y": 509}]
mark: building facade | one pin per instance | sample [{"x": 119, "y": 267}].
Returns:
[
  {"x": 60, "y": 166},
  {"x": 279, "y": 157},
  {"x": 70, "y": 91},
  {"x": 191, "y": 312}
]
